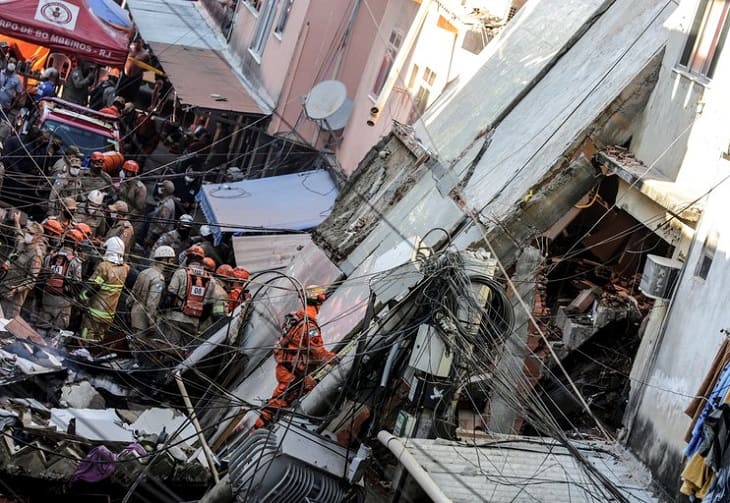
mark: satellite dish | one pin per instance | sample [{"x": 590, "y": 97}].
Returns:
[
  {"x": 338, "y": 120},
  {"x": 325, "y": 99}
]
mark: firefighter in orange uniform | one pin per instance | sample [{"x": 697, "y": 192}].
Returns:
[
  {"x": 298, "y": 353},
  {"x": 237, "y": 293}
]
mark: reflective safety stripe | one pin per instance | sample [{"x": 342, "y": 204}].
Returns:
[
  {"x": 107, "y": 287},
  {"x": 101, "y": 314}
]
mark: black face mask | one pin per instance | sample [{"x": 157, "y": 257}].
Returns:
[
  {"x": 184, "y": 232},
  {"x": 94, "y": 170},
  {"x": 67, "y": 215}
]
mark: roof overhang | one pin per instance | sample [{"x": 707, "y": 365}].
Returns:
[{"x": 194, "y": 56}]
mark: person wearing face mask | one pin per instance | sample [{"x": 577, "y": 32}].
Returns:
[
  {"x": 10, "y": 87},
  {"x": 65, "y": 185},
  {"x": 162, "y": 218},
  {"x": 92, "y": 214},
  {"x": 67, "y": 212},
  {"x": 146, "y": 295},
  {"x": 96, "y": 178},
  {"x": 24, "y": 265},
  {"x": 62, "y": 276},
  {"x": 178, "y": 239},
  {"x": 63, "y": 164},
  {"x": 121, "y": 227},
  {"x": 133, "y": 192}
]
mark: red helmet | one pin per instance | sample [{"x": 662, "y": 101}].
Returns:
[
  {"x": 196, "y": 251},
  {"x": 315, "y": 294},
  {"x": 131, "y": 166},
  {"x": 224, "y": 270},
  {"x": 209, "y": 264},
  {"x": 97, "y": 156},
  {"x": 53, "y": 227},
  {"x": 83, "y": 229},
  {"x": 241, "y": 274},
  {"x": 75, "y": 235}
]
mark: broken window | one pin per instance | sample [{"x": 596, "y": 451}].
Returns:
[
  {"x": 394, "y": 42},
  {"x": 706, "y": 38},
  {"x": 708, "y": 254}
]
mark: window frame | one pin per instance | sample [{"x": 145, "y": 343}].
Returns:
[
  {"x": 690, "y": 60},
  {"x": 283, "y": 17},
  {"x": 263, "y": 29},
  {"x": 391, "y": 52}
]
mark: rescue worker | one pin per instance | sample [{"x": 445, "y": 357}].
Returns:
[
  {"x": 66, "y": 184},
  {"x": 188, "y": 299},
  {"x": 237, "y": 292},
  {"x": 62, "y": 273},
  {"x": 102, "y": 291},
  {"x": 178, "y": 238},
  {"x": 218, "y": 297},
  {"x": 115, "y": 109},
  {"x": 63, "y": 164},
  {"x": 96, "y": 178},
  {"x": 84, "y": 229},
  {"x": 206, "y": 242},
  {"x": 133, "y": 192},
  {"x": 24, "y": 266},
  {"x": 91, "y": 212},
  {"x": 224, "y": 273},
  {"x": 67, "y": 211},
  {"x": 298, "y": 353},
  {"x": 147, "y": 293},
  {"x": 121, "y": 227},
  {"x": 162, "y": 218}
]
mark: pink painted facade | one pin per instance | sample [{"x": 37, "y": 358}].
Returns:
[{"x": 352, "y": 41}]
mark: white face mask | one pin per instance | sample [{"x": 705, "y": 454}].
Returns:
[
  {"x": 74, "y": 171},
  {"x": 122, "y": 175},
  {"x": 189, "y": 179},
  {"x": 160, "y": 191},
  {"x": 28, "y": 238},
  {"x": 113, "y": 215}
]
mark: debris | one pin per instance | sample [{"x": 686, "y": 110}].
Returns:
[{"x": 81, "y": 396}]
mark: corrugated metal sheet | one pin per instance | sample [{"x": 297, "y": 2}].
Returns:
[
  {"x": 289, "y": 202},
  {"x": 191, "y": 52},
  {"x": 516, "y": 469},
  {"x": 257, "y": 253},
  {"x": 203, "y": 78}
]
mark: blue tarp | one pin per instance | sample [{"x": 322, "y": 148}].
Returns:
[{"x": 297, "y": 202}]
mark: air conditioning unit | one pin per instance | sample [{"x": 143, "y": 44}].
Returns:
[{"x": 659, "y": 276}]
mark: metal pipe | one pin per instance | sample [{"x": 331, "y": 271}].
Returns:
[
  {"x": 422, "y": 478},
  {"x": 400, "y": 59},
  {"x": 194, "y": 419}
]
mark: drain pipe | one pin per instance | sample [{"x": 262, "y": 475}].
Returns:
[
  {"x": 400, "y": 59},
  {"x": 415, "y": 470}
]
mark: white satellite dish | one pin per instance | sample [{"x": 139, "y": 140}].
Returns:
[
  {"x": 338, "y": 120},
  {"x": 325, "y": 99}
]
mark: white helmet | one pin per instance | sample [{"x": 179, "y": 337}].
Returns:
[
  {"x": 205, "y": 230},
  {"x": 186, "y": 220},
  {"x": 95, "y": 197},
  {"x": 164, "y": 252},
  {"x": 114, "y": 245}
]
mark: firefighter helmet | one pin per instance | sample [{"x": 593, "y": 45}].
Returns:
[
  {"x": 315, "y": 294},
  {"x": 224, "y": 270},
  {"x": 131, "y": 166},
  {"x": 168, "y": 187},
  {"x": 95, "y": 197},
  {"x": 53, "y": 227},
  {"x": 240, "y": 273},
  {"x": 205, "y": 230},
  {"x": 114, "y": 245},
  {"x": 97, "y": 157},
  {"x": 75, "y": 235},
  {"x": 186, "y": 221},
  {"x": 209, "y": 264},
  {"x": 84, "y": 229},
  {"x": 164, "y": 251},
  {"x": 195, "y": 251}
]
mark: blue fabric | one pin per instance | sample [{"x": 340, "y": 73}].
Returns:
[
  {"x": 110, "y": 12},
  {"x": 715, "y": 400},
  {"x": 44, "y": 89},
  {"x": 720, "y": 492}
]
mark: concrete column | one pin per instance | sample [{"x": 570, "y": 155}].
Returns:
[{"x": 509, "y": 372}]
